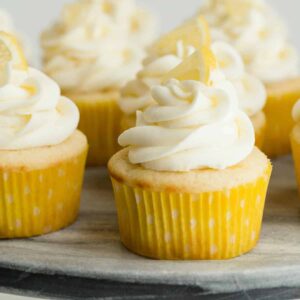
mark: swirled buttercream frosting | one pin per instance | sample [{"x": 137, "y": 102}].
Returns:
[
  {"x": 136, "y": 95},
  {"x": 33, "y": 113},
  {"x": 97, "y": 45},
  {"x": 251, "y": 91},
  {"x": 192, "y": 126},
  {"x": 258, "y": 33}
]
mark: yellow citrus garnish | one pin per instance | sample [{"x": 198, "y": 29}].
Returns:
[
  {"x": 11, "y": 51},
  {"x": 197, "y": 66},
  {"x": 193, "y": 33}
]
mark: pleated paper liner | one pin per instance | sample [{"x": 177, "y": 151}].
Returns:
[
  {"x": 212, "y": 225},
  {"x": 100, "y": 122},
  {"x": 279, "y": 119},
  {"x": 40, "y": 201}
]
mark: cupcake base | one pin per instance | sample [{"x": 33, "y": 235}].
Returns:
[
  {"x": 281, "y": 98},
  {"x": 100, "y": 121},
  {"x": 197, "y": 215},
  {"x": 41, "y": 187}
]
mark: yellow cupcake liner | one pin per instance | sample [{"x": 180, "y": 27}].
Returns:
[
  {"x": 39, "y": 201},
  {"x": 210, "y": 225},
  {"x": 278, "y": 112},
  {"x": 100, "y": 122}
]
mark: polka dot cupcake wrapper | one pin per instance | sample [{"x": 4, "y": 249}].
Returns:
[
  {"x": 100, "y": 122},
  {"x": 40, "y": 201},
  {"x": 211, "y": 225}
]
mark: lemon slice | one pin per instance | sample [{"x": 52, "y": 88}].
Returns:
[
  {"x": 11, "y": 51},
  {"x": 238, "y": 8},
  {"x": 197, "y": 66},
  {"x": 193, "y": 33}
]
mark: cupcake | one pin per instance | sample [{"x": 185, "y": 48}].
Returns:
[
  {"x": 169, "y": 52},
  {"x": 260, "y": 36},
  {"x": 92, "y": 51},
  {"x": 190, "y": 183},
  {"x": 42, "y": 155}
]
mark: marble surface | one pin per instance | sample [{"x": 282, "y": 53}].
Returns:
[{"x": 91, "y": 248}]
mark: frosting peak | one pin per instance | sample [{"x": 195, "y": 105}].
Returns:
[
  {"x": 97, "y": 44},
  {"x": 136, "y": 94},
  {"x": 192, "y": 126},
  {"x": 256, "y": 31}
]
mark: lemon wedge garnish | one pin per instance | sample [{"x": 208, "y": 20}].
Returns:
[
  {"x": 197, "y": 66},
  {"x": 193, "y": 33},
  {"x": 11, "y": 52}
]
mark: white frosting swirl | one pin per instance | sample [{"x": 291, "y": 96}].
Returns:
[
  {"x": 97, "y": 44},
  {"x": 251, "y": 91},
  {"x": 258, "y": 33},
  {"x": 136, "y": 95},
  {"x": 33, "y": 113},
  {"x": 193, "y": 126},
  {"x": 252, "y": 95}
]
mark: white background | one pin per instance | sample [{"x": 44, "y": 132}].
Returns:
[{"x": 31, "y": 16}]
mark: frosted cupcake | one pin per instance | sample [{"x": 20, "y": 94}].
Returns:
[
  {"x": 92, "y": 51},
  {"x": 191, "y": 184},
  {"x": 42, "y": 155},
  {"x": 260, "y": 36},
  {"x": 173, "y": 48}
]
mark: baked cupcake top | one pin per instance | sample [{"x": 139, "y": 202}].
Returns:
[
  {"x": 97, "y": 45},
  {"x": 195, "y": 122},
  {"x": 136, "y": 95},
  {"x": 257, "y": 32},
  {"x": 32, "y": 111}
]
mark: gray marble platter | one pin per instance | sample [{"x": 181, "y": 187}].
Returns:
[{"x": 91, "y": 248}]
